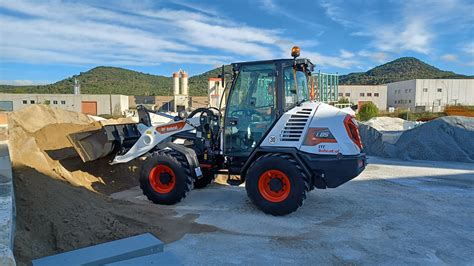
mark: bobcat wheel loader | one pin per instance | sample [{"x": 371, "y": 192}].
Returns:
[{"x": 280, "y": 143}]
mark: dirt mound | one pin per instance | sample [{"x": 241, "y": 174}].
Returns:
[
  {"x": 443, "y": 139},
  {"x": 54, "y": 217},
  {"x": 62, "y": 203},
  {"x": 41, "y": 143}
]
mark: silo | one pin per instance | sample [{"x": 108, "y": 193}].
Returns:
[
  {"x": 184, "y": 83},
  {"x": 175, "y": 83}
]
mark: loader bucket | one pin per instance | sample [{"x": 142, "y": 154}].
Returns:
[{"x": 95, "y": 144}]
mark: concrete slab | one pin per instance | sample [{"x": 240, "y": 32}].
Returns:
[
  {"x": 396, "y": 212},
  {"x": 110, "y": 252},
  {"x": 7, "y": 207},
  {"x": 162, "y": 258}
]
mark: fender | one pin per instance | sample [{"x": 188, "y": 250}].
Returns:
[{"x": 316, "y": 180}]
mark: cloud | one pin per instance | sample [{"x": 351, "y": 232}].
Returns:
[
  {"x": 468, "y": 48},
  {"x": 335, "y": 13},
  {"x": 409, "y": 26},
  {"x": 270, "y": 6},
  {"x": 379, "y": 57},
  {"x": 329, "y": 61},
  {"x": 22, "y": 82},
  {"x": 77, "y": 33},
  {"x": 449, "y": 58},
  {"x": 346, "y": 54}
]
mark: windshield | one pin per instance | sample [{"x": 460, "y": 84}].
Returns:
[{"x": 295, "y": 94}]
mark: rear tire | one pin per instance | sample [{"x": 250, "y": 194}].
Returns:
[
  {"x": 276, "y": 184},
  {"x": 205, "y": 180},
  {"x": 165, "y": 177}
]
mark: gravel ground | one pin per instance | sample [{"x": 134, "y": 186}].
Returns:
[{"x": 395, "y": 212}]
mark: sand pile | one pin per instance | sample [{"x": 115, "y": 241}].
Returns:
[
  {"x": 38, "y": 135},
  {"x": 390, "y": 124},
  {"x": 62, "y": 203},
  {"x": 443, "y": 139}
]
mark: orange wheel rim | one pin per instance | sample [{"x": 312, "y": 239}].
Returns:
[
  {"x": 274, "y": 185},
  {"x": 162, "y": 179}
]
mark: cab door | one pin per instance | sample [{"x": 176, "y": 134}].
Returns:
[{"x": 251, "y": 108}]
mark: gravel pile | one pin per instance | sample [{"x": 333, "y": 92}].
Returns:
[{"x": 444, "y": 139}]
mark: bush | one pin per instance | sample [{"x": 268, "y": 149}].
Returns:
[{"x": 367, "y": 111}]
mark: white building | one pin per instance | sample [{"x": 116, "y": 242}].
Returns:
[
  {"x": 180, "y": 91},
  {"x": 360, "y": 94},
  {"x": 93, "y": 104},
  {"x": 216, "y": 92},
  {"x": 430, "y": 94}
]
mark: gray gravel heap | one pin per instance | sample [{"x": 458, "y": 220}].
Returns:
[{"x": 443, "y": 139}]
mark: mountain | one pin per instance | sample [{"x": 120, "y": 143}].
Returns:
[
  {"x": 404, "y": 68},
  {"x": 105, "y": 80},
  {"x": 200, "y": 82}
]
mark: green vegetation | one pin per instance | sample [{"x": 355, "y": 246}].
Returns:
[
  {"x": 404, "y": 68},
  {"x": 367, "y": 111},
  {"x": 343, "y": 100},
  {"x": 199, "y": 84},
  {"x": 105, "y": 80}
]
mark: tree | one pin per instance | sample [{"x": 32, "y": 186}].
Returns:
[
  {"x": 367, "y": 111},
  {"x": 343, "y": 100}
]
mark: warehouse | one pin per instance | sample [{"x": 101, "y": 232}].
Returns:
[
  {"x": 360, "y": 94},
  {"x": 430, "y": 94},
  {"x": 93, "y": 104}
]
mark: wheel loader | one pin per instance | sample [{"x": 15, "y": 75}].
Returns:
[{"x": 270, "y": 134}]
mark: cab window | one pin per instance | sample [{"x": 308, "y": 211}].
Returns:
[
  {"x": 251, "y": 108},
  {"x": 295, "y": 94}
]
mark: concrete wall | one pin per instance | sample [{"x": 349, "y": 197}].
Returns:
[
  {"x": 165, "y": 103},
  {"x": 106, "y": 104},
  {"x": 7, "y": 198},
  {"x": 430, "y": 94},
  {"x": 364, "y": 93},
  {"x": 402, "y": 94}
]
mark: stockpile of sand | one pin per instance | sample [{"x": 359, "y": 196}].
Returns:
[
  {"x": 62, "y": 203},
  {"x": 38, "y": 137},
  {"x": 390, "y": 124},
  {"x": 443, "y": 139}
]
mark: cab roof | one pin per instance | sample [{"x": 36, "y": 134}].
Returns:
[{"x": 299, "y": 61}]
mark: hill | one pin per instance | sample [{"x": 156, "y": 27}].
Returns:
[
  {"x": 105, "y": 80},
  {"x": 404, "y": 68},
  {"x": 199, "y": 83}
]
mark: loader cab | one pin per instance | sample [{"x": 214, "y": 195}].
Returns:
[{"x": 261, "y": 92}]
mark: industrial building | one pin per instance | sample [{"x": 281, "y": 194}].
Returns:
[
  {"x": 360, "y": 94},
  {"x": 92, "y": 104},
  {"x": 166, "y": 103},
  {"x": 215, "y": 92},
  {"x": 180, "y": 91},
  {"x": 430, "y": 94}
]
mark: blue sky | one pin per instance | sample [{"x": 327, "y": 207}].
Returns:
[{"x": 46, "y": 41}]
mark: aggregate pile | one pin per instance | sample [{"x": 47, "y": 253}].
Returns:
[
  {"x": 449, "y": 138},
  {"x": 62, "y": 203}
]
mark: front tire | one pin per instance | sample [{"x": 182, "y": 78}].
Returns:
[
  {"x": 165, "y": 177},
  {"x": 276, "y": 184}
]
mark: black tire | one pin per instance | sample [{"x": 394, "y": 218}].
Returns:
[
  {"x": 183, "y": 180},
  {"x": 280, "y": 163},
  {"x": 205, "y": 180}
]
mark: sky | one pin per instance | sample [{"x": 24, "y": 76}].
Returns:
[{"x": 46, "y": 41}]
